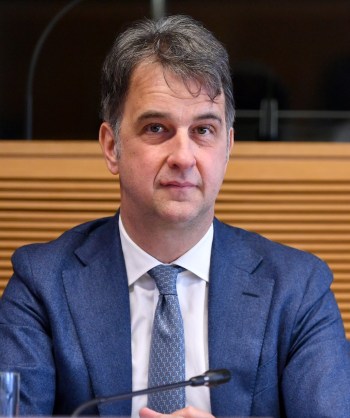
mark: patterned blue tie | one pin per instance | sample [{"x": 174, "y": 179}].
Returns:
[{"x": 167, "y": 354}]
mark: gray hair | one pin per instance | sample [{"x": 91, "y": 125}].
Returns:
[{"x": 180, "y": 44}]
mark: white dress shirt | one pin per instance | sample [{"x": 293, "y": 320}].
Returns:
[{"x": 192, "y": 288}]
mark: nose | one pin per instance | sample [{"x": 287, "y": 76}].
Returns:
[{"x": 182, "y": 152}]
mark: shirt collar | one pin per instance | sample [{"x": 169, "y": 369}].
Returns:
[{"x": 138, "y": 262}]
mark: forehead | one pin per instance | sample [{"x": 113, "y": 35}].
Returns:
[{"x": 151, "y": 81}]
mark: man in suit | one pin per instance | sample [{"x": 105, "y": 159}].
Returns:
[{"x": 76, "y": 317}]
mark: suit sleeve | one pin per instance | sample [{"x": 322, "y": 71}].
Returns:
[
  {"x": 25, "y": 340},
  {"x": 316, "y": 378}
]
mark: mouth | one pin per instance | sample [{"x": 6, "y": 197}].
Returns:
[{"x": 178, "y": 184}]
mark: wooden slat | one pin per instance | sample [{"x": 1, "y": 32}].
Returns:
[
  {"x": 51, "y": 216},
  {"x": 22, "y": 225},
  {"x": 58, "y": 205},
  {"x": 270, "y": 207},
  {"x": 294, "y": 193},
  {"x": 20, "y": 195}
]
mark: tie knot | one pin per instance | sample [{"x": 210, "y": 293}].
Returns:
[{"x": 165, "y": 276}]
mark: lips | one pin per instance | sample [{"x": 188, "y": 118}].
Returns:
[{"x": 177, "y": 184}]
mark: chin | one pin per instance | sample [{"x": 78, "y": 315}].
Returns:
[
  {"x": 173, "y": 214},
  {"x": 176, "y": 217}
]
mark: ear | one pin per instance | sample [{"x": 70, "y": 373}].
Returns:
[
  {"x": 107, "y": 142},
  {"x": 230, "y": 144},
  {"x": 232, "y": 139}
]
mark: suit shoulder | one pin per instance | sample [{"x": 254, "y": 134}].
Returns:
[
  {"x": 58, "y": 251},
  {"x": 259, "y": 242},
  {"x": 275, "y": 256}
]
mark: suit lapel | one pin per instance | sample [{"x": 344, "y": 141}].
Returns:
[
  {"x": 239, "y": 302},
  {"x": 98, "y": 296}
]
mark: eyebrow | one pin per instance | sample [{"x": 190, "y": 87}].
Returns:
[
  {"x": 209, "y": 115},
  {"x": 151, "y": 114}
]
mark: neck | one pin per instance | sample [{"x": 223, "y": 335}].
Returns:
[{"x": 165, "y": 243}]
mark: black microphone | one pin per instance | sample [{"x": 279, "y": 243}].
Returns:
[{"x": 209, "y": 378}]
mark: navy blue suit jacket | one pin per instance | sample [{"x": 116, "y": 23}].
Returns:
[{"x": 273, "y": 322}]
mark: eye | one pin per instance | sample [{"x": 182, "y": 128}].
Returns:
[
  {"x": 154, "y": 128},
  {"x": 204, "y": 130}
]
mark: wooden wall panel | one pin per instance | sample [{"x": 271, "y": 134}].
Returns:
[{"x": 294, "y": 193}]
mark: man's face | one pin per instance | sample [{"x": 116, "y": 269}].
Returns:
[{"x": 173, "y": 150}]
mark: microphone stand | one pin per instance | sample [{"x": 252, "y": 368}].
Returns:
[
  {"x": 209, "y": 378},
  {"x": 33, "y": 62},
  {"x": 124, "y": 396}
]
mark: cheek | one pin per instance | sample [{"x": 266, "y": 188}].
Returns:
[
  {"x": 135, "y": 172},
  {"x": 213, "y": 164},
  {"x": 213, "y": 174}
]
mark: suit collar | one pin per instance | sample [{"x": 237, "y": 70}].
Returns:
[
  {"x": 100, "y": 239},
  {"x": 229, "y": 244},
  {"x": 239, "y": 303},
  {"x": 98, "y": 297}
]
